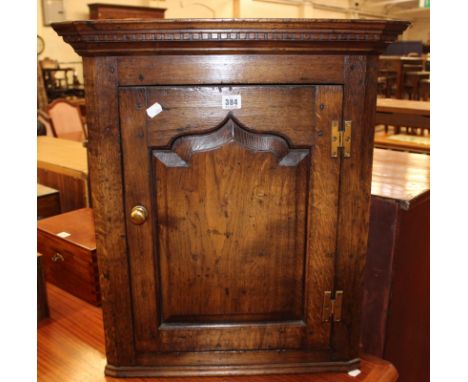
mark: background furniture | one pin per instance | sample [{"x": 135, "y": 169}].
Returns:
[
  {"x": 67, "y": 120},
  {"x": 398, "y": 112},
  {"x": 199, "y": 262},
  {"x": 63, "y": 165},
  {"x": 397, "y": 66},
  {"x": 48, "y": 201},
  {"x": 395, "y": 322},
  {"x": 68, "y": 243},
  {"x": 42, "y": 304},
  {"x": 75, "y": 335},
  {"x": 59, "y": 82},
  {"x": 44, "y": 119},
  {"x": 413, "y": 115},
  {"x": 403, "y": 48},
  {"x": 116, "y": 11}
]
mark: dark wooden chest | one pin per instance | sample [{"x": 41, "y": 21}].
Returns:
[
  {"x": 68, "y": 245},
  {"x": 230, "y": 166},
  {"x": 396, "y": 280}
]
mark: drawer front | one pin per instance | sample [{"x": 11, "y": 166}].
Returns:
[{"x": 69, "y": 267}]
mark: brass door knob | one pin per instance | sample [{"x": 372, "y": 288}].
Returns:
[{"x": 138, "y": 215}]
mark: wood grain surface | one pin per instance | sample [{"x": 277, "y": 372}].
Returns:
[
  {"x": 400, "y": 176},
  {"x": 70, "y": 348},
  {"x": 220, "y": 200}
]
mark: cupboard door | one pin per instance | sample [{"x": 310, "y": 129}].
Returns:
[{"x": 241, "y": 195}]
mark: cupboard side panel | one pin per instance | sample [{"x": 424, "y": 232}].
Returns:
[
  {"x": 137, "y": 174},
  {"x": 105, "y": 171},
  {"x": 354, "y": 203},
  {"x": 322, "y": 214}
]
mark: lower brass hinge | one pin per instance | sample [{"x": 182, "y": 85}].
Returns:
[
  {"x": 332, "y": 307},
  {"x": 341, "y": 138}
]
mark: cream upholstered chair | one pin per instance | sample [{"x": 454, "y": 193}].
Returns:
[{"x": 67, "y": 120}]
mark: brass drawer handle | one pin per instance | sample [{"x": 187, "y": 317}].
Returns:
[
  {"x": 138, "y": 215},
  {"x": 57, "y": 257}
]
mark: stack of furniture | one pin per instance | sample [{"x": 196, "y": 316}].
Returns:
[
  {"x": 402, "y": 75},
  {"x": 60, "y": 82}
]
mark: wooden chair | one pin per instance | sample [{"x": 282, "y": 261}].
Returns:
[
  {"x": 67, "y": 120},
  {"x": 44, "y": 119},
  {"x": 424, "y": 89}
]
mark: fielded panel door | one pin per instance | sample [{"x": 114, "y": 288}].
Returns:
[{"x": 241, "y": 194}]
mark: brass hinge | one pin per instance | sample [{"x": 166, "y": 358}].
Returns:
[
  {"x": 332, "y": 307},
  {"x": 341, "y": 138}
]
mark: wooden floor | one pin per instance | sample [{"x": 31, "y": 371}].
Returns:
[{"x": 71, "y": 349}]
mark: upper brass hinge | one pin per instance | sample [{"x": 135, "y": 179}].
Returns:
[
  {"x": 331, "y": 310},
  {"x": 341, "y": 138}
]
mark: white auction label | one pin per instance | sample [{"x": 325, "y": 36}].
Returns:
[
  {"x": 154, "y": 110},
  {"x": 63, "y": 234},
  {"x": 354, "y": 373},
  {"x": 231, "y": 102}
]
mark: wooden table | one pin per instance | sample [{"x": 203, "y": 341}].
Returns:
[
  {"x": 74, "y": 335},
  {"x": 402, "y": 142},
  {"x": 399, "y": 112},
  {"x": 396, "y": 288},
  {"x": 62, "y": 164}
]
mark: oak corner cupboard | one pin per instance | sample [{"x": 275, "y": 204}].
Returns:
[{"x": 230, "y": 165}]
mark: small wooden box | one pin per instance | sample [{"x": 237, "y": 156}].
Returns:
[{"x": 68, "y": 245}]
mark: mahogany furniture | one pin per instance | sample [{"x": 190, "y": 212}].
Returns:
[
  {"x": 68, "y": 243},
  {"x": 231, "y": 168},
  {"x": 74, "y": 335},
  {"x": 396, "y": 284},
  {"x": 117, "y": 11},
  {"x": 42, "y": 304},
  {"x": 48, "y": 201},
  {"x": 62, "y": 164}
]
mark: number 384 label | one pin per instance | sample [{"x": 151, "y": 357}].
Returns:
[{"x": 231, "y": 101}]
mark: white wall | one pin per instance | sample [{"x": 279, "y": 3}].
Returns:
[{"x": 418, "y": 31}]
